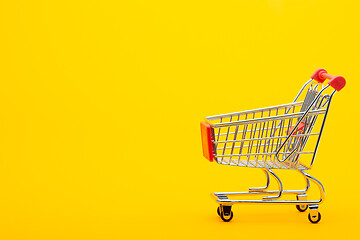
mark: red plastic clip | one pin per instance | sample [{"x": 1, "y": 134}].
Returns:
[{"x": 300, "y": 128}]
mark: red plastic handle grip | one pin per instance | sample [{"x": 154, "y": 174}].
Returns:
[{"x": 337, "y": 82}]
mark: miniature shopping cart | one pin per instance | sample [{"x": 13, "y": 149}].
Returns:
[{"x": 280, "y": 137}]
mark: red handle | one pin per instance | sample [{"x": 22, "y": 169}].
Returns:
[
  {"x": 337, "y": 82},
  {"x": 207, "y": 135}
]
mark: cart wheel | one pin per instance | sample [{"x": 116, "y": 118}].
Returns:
[
  {"x": 226, "y": 218},
  {"x": 302, "y": 208},
  {"x": 218, "y": 211},
  {"x": 314, "y": 219}
]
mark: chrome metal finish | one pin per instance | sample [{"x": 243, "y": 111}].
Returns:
[
  {"x": 279, "y": 184},
  {"x": 279, "y": 137},
  {"x": 254, "y": 111},
  {"x": 318, "y": 184},
  {"x": 223, "y": 197},
  {"x": 297, "y": 124},
  {"x": 266, "y": 119},
  {"x": 262, "y": 188},
  {"x": 322, "y": 128}
]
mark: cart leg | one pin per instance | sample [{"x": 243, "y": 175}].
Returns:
[
  {"x": 317, "y": 183},
  {"x": 301, "y": 197},
  {"x": 257, "y": 189},
  {"x": 279, "y": 184},
  {"x": 307, "y": 181},
  {"x": 314, "y": 214}
]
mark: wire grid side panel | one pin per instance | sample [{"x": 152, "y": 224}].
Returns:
[{"x": 254, "y": 144}]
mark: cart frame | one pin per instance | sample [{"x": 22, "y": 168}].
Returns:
[{"x": 267, "y": 155}]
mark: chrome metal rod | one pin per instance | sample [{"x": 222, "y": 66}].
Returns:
[
  {"x": 261, "y": 153},
  {"x": 228, "y": 201},
  {"x": 260, "y": 192},
  {"x": 307, "y": 181},
  {"x": 225, "y": 200},
  {"x": 265, "y": 119},
  {"x": 302, "y": 89},
  {"x": 266, "y": 138},
  {"x": 279, "y": 184},
  {"x": 299, "y": 121},
  {"x": 254, "y": 111},
  {"x": 318, "y": 184},
  {"x": 322, "y": 128},
  {"x": 254, "y": 189}
]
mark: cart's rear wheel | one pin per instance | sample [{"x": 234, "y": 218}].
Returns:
[
  {"x": 226, "y": 218},
  {"x": 218, "y": 211},
  {"x": 314, "y": 218},
  {"x": 302, "y": 208}
]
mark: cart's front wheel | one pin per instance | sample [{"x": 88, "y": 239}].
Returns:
[
  {"x": 314, "y": 218},
  {"x": 218, "y": 211},
  {"x": 226, "y": 218},
  {"x": 302, "y": 208}
]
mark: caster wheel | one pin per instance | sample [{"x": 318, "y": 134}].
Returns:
[
  {"x": 302, "y": 208},
  {"x": 226, "y": 218},
  {"x": 314, "y": 219},
  {"x": 218, "y": 211}
]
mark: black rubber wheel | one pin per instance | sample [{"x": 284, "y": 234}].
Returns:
[
  {"x": 218, "y": 211},
  {"x": 302, "y": 208},
  {"x": 314, "y": 220},
  {"x": 226, "y": 218}
]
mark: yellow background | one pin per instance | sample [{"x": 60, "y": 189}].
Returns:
[{"x": 100, "y": 104}]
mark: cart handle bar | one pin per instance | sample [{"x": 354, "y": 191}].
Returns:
[{"x": 337, "y": 82}]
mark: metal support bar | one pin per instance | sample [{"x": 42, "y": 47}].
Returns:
[
  {"x": 255, "y": 189},
  {"x": 279, "y": 184},
  {"x": 222, "y": 197}
]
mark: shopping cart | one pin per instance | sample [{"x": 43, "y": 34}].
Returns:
[{"x": 280, "y": 137}]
